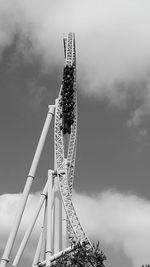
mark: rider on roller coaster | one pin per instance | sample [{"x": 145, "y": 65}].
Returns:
[{"x": 67, "y": 101}]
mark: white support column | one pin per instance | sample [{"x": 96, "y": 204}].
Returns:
[
  {"x": 49, "y": 219},
  {"x": 38, "y": 250},
  {"x": 57, "y": 209},
  {"x": 65, "y": 241},
  {"x": 30, "y": 228},
  {"x": 53, "y": 215},
  {"x": 31, "y": 176},
  {"x": 58, "y": 255},
  {"x": 57, "y": 218},
  {"x": 43, "y": 243}
]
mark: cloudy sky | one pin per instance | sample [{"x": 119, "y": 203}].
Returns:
[{"x": 113, "y": 82}]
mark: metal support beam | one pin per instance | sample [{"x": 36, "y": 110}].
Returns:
[
  {"x": 65, "y": 240},
  {"x": 30, "y": 228},
  {"x": 30, "y": 177},
  {"x": 38, "y": 250},
  {"x": 58, "y": 255},
  {"x": 49, "y": 219},
  {"x": 43, "y": 243},
  {"x": 57, "y": 218}
]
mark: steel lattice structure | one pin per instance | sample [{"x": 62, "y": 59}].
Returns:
[
  {"x": 66, "y": 180},
  {"x": 58, "y": 188}
]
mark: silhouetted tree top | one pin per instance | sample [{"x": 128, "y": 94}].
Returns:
[{"x": 82, "y": 256}]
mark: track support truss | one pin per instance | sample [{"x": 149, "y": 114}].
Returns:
[{"x": 59, "y": 220}]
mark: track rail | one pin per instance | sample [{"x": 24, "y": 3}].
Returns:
[{"x": 75, "y": 230}]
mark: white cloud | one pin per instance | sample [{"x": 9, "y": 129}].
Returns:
[
  {"x": 112, "y": 37},
  {"x": 8, "y": 207},
  {"x": 118, "y": 220}
]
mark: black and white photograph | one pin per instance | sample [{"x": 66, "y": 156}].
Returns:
[{"x": 75, "y": 133}]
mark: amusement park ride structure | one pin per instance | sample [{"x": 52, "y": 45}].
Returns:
[{"x": 60, "y": 224}]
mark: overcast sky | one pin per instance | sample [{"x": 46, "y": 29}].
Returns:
[{"x": 113, "y": 83}]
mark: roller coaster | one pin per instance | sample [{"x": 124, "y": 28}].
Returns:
[{"x": 61, "y": 225}]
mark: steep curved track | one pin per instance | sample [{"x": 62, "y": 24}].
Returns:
[{"x": 75, "y": 230}]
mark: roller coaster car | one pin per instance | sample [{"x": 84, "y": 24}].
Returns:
[
  {"x": 68, "y": 68},
  {"x": 68, "y": 109},
  {"x": 67, "y": 101},
  {"x": 69, "y": 116},
  {"x": 70, "y": 122},
  {"x": 67, "y": 83},
  {"x": 68, "y": 94},
  {"x": 68, "y": 98},
  {"x": 68, "y": 74},
  {"x": 68, "y": 89},
  {"x": 68, "y": 77},
  {"x": 67, "y": 121},
  {"x": 67, "y": 129}
]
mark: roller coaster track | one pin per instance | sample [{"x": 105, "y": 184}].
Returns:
[
  {"x": 65, "y": 110},
  {"x": 75, "y": 230}
]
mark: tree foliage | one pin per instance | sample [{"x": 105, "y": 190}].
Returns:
[{"x": 82, "y": 256}]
